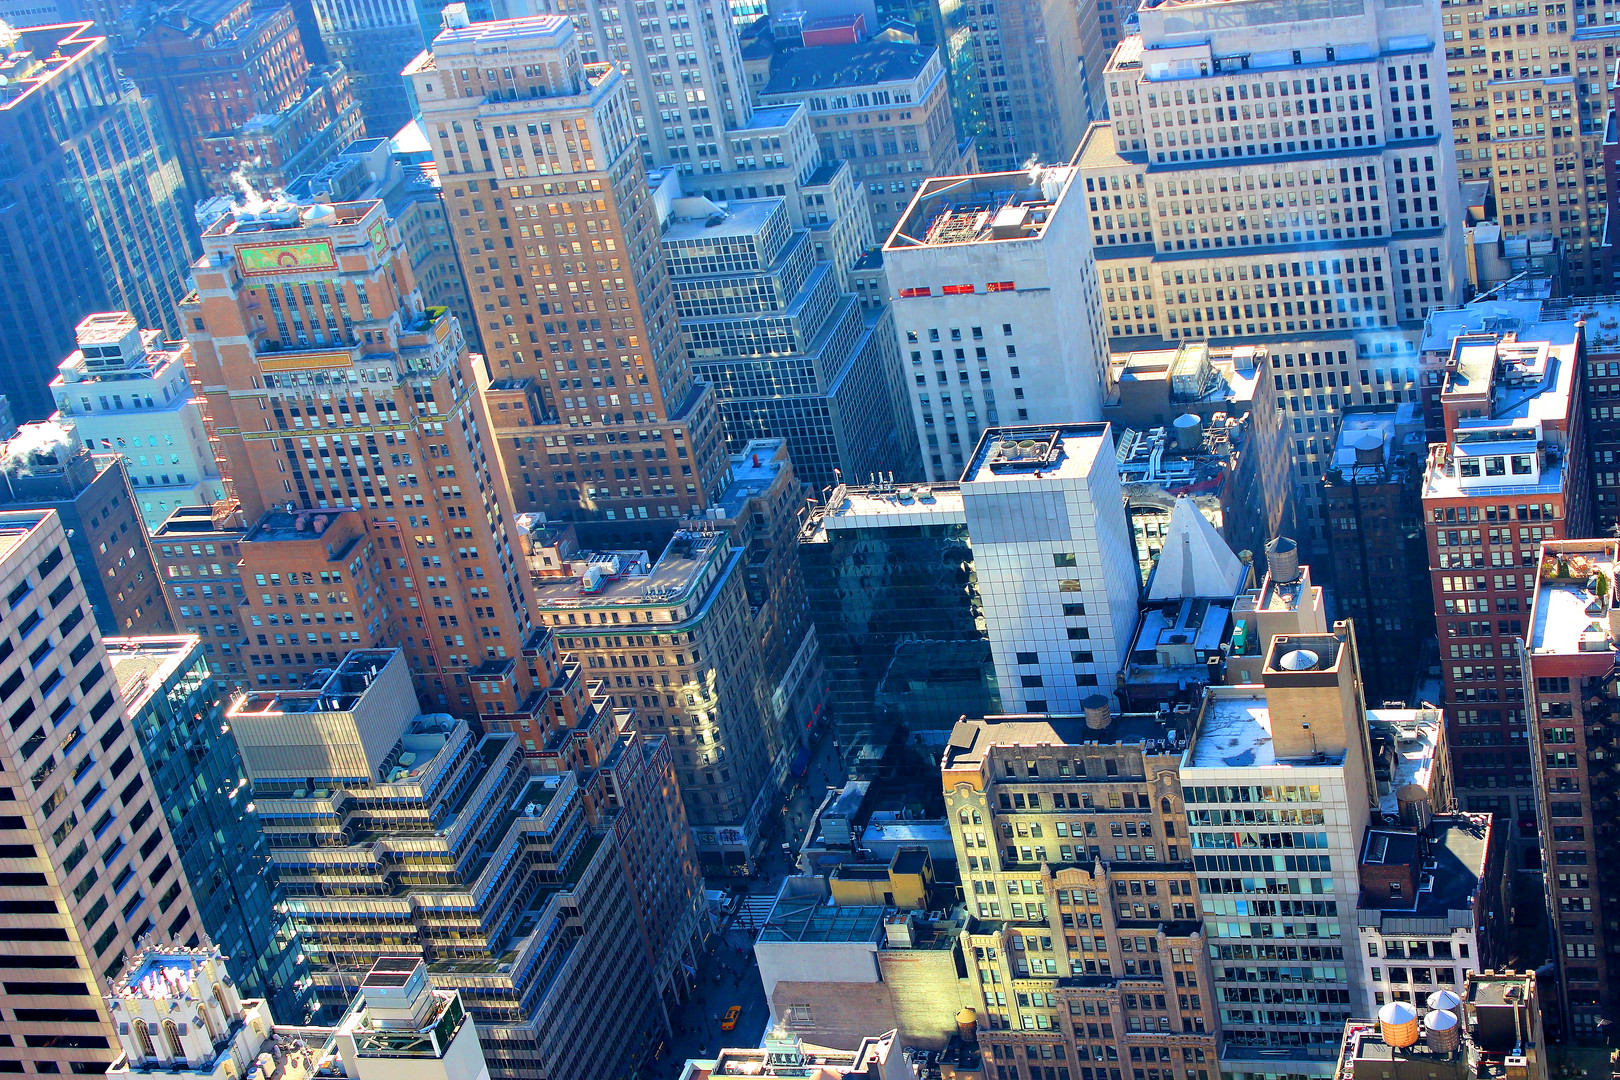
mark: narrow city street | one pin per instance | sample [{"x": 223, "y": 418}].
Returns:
[{"x": 727, "y": 976}]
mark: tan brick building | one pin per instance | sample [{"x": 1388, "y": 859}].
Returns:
[
  {"x": 550, "y": 211},
  {"x": 1088, "y": 949}
]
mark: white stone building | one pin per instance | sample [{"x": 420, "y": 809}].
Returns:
[
  {"x": 126, "y": 391},
  {"x": 1281, "y": 173},
  {"x": 997, "y": 307}
]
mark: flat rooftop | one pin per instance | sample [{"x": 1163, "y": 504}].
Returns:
[
  {"x": 38, "y": 54},
  {"x": 983, "y": 208},
  {"x": 1442, "y": 327},
  {"x": 885, "y": 506},
  {"x": 1014, "y": 454},
  {"x": 972, "y": 740},
  {"x": 298, "y": 525},
  {"x": 326, "y": 690},
  {"x": 141, "y": 664},
  {"x": 831, "y": 67},
  {"x": 1415, "y": 737},
  {"x": 1568, "y": 616},
  {"x": 1234, "y": 732},
  {"x": 1173, "y": 636},
  {"x": 744, "y": 217},
  {"x": 498, "y": 30},
  {"x": 670, "y": 579},
  {"x": 1457, "y": 846},
  {"x": 289, "y": 218}
]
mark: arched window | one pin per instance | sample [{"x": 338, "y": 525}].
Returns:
[
  {"x": 143, "y": 1036},
  {"x": 224, "y": 1010},
  {"x": 171, "y": 1036},
  {"x": 1164, "y": 805},
  {"x": 208, "y": 1021}
]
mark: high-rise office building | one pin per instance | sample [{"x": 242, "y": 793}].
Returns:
[
  {"x": 496, "y": 875},
  {"x": 174, "y": 705},
  {"x": 882, "y": 106},
  {"x": 786, "y": 350},
  {"x": 1053, "y": 557},
  {"x": 45, "y": 466},
  {"x": 996, "y": 302},
  {"x": 1567, "y": 656},
  {"x": 680, "y": 622},
  {"x": 125, "y": 391},
  {"x": 374, "y": 42},
  {"x": 91, "y": 866},
  {"x": 1546, "y": 176},
  {"x": 1298, "y": 740},
  {"x": 899, "y": 621},
  {"x": 1089, "y": 951},
  {"x": 400, "y": 172},
  {"x": 238, "y": 92},
  {"x": 101, "y": 210},
  {"x": 1201, "y": 223},
  {"x": 560, "y": 244},
  {"x": 337, "y": 403},
  {"x": 1373, "y": 511},
  {"x": 1511, "y": 471}
]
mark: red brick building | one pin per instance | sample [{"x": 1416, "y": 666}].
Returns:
[
  {"x": 1511, "y": 473},
  {"x": 238, "y": 91},
  {"x": 1570, "y": 657}
]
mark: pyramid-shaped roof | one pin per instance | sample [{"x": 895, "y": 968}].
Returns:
[{"x": 1194, "y": 561}]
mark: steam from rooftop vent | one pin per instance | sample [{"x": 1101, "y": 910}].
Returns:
[{"x": 48, "y": 438}]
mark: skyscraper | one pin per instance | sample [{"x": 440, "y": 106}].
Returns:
[
  {"x": 174, "y": 704},
  {"x": 1568, "y": 656},
  {"x": 1299, "y": 740},
  {"x": 46, "y": 467},
  {"x": 996, "y": 302},
  {"x": 498, "y": 877},
  {"x": 543, "y": 178},
  {"x": 1202, "y": 224},
  {"x": 338, "y": 403},
  {"x": 1511, "y": 471},
  {"x": 238, "y": 92},
  {"x": 786, "y": 351},
  {"x": 101, "y": 211},
  {"x": 373, "y": 41},
  {"x": 92, "y": 868}
]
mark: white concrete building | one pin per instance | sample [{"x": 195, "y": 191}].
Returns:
[
  {"x": 1281, "y": 173},
  {"x": 1054, "y": 560},
  {"x": 126, "y": 391},
  {"x": 1278, "y": 872},
  {"x": 997, "y": 307},
  {"x": 179, "y": 1017}
]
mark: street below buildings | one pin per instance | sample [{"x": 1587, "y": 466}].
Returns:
[{"x": 727, "y": 974}]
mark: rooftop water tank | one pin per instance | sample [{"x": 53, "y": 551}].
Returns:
[
  {"x": 1398, "y": 1024},
  {"x": 1189, "y": 432},
  {"x": 1282, "y": 557}
]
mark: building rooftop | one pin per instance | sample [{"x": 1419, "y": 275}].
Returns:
[
  {"x": 807, "y": 917},
  {"x": 983, "y": 208},
  {"x": 141, "y": 665},
  {"x": 1372, "y": 444},
  {"x": 1451, "y": 854},
  {"x": 1017, "y": 454},
  {"x": 1574, "y": 597},
  {"x": 273, "y": 217},
  {"x": 327, "y": 690},
  {"x": 1234, "y": 731},
  {"x": 1442, "y": 327},
  {"x": 972, "y": 740},
  {"x": 618, "y": 578},
  {"x": 786, "y": 1056},
  {"x": 1194, "y": 561},
  {"x": 499, "y": 30},
  {"x": 884, "y": 506},
  {"x": 753, "y": 471},
  {"x": 293, "y": 525},
  {"x": 1176, "y": 636},
  {"x": 743, "y": 217},
  {"x": 768, "y": 118},
  {"x": 1414, "y": 738},
  {"x": 30, "y": 57},
  {"x": 833, "y": 67}
]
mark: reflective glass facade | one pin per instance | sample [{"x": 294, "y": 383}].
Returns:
[
  {"x": 902, "y": 637},
  {"x": 175, "y": 707}
]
